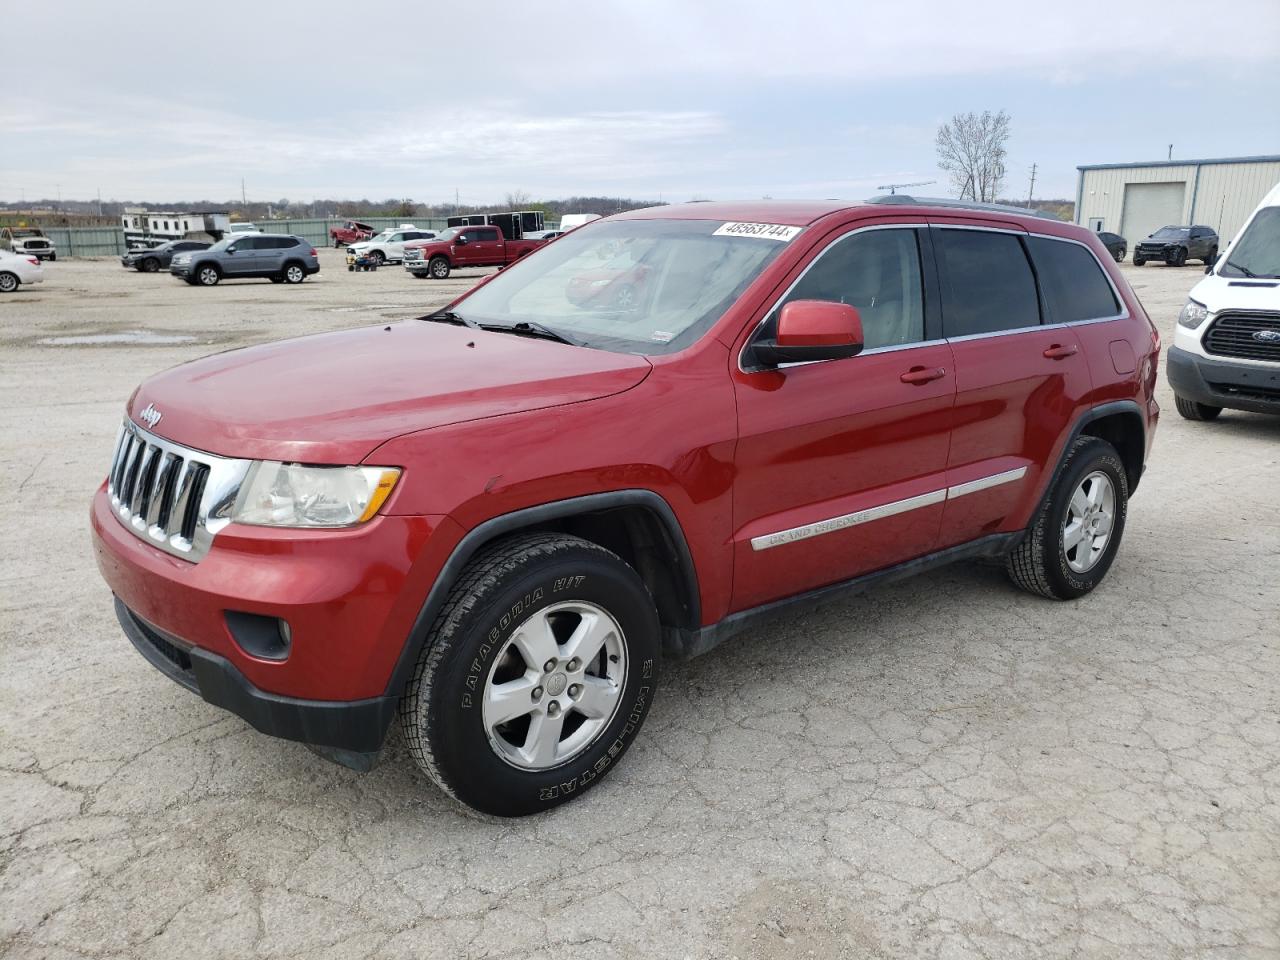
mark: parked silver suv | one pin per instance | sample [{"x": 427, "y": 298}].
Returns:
[{"x": 279, "y": 258}]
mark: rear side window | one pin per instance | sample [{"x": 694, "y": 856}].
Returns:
[
  {"x": 991, "y": 286},
  {"x": 488, "y": 234},
  {"x": 1074, "y": 285}
]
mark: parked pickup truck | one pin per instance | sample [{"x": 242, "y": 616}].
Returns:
[
  {"x": 28, "y": 241},
  {"x": 493, "y": 522},
  {"x": 353, "y": 231},
  {"x": 461, "y": 247}
]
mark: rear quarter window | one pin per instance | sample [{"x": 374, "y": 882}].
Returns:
[{"x": 1074, "y": 285}]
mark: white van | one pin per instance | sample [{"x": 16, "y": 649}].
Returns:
[
  {"x": 1226, "y": 346},
  {"x": 571, "y": 220}
]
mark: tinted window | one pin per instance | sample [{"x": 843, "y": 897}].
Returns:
[
  {"x": 991, "y": 284},
  {"x": 488, "y": 234},
  {"x": 1074, "y": 285},
  {"x": 877, "y": 271},
  {"x": 245, "y": 243}
]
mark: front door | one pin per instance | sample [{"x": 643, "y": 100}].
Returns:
[
  {"x": 1021, "y": 375},
  {"x": 841, "y": 465},
  {"x": 245, "y": 258}
]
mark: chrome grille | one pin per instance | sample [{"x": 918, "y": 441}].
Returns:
[
  {"x": 171, "y": 496},
  {"x": 1232, "y": 335}
]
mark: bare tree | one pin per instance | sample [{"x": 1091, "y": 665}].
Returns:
[
  {"x": 971, "y": 149},
  {"x": 517, "y": 200}
]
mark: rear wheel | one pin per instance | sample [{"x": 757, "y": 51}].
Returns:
[
  {"x": 9, "y": 282},
  {"x": 536, "y": 676},
  {"x": 1191, "y": 410},
  {"x": 1075, "y": 536},
  {"x": 293, "y": 273},
  {"x": 1119, "y": 254},
  {"x": 208, "y": 276},
  {"x": 440, "y": 268}
]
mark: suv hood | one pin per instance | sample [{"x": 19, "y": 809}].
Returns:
[
  {"x": 1236, "y": 293},
  {"x": 335, "y": 397}
]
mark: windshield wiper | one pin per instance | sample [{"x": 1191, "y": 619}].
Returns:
[
  {"x": 448, "y": 316},
  {"x": 529, "y": 328},
  {"x": 1245, "y": 270}
]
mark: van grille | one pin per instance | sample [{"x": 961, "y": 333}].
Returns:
[
  {"x": 1232, "y": 335},
  {"x": 164, "y": 493}
]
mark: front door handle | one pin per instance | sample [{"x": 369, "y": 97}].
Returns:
[
  {"x": 1060, "y": 352},
  {"x": 920, "y": 375}
]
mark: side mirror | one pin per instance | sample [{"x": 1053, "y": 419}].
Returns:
[
  {"x": 812, "y": 330},
  {"x": 462, "y": 240},
  {"x": 231, "y": 249}
]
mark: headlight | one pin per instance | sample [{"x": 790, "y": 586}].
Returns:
[
  {"x": 1193, "y": 314},
  {"x": 182, "y": 258},
  {"x": 292, "y": 495}
]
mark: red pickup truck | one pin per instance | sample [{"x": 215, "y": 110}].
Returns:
[
  {"x": 461, "y": 247},
  {"x": 353, "y": 231},
  {"x": 494, "y": 521}
]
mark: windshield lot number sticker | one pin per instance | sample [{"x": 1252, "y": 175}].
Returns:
[{"x": 764, "y": 231}]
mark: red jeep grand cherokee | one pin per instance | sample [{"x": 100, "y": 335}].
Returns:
[{"x": 495, "y": 520}]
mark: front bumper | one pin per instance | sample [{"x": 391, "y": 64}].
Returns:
[
  {"x": 1164, "y": 254},
  {"x": 1251, "y": 387},
  {"x": 349, "y": 598}
]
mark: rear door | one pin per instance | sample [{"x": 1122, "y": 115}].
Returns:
[
  {"x": 841, "y": 464},
  {"x": 1021, "y": 375},
  {"x": 489, "y": 248}
]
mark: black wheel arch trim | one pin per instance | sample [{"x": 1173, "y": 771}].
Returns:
[
  {"x": 530, "y": 517},
  {"x": 1092, "y": 415}
]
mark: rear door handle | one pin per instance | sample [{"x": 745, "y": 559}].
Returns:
[
  {"x": 920, "y": 375},
  {"x": 1060, "y": 352}
]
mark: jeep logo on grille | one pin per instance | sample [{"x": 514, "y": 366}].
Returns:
[
  {"x": 151, "y": 415},
  {"x": 1267, "y": 336}
]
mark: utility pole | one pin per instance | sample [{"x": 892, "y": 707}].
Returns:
[
  {"x": 1032, "y": 189},
  {"x": 243, "y": 201},
  {"x": 455, "y": 200},
  {"x": 1170, "y": 157},
  {"x": 99, "y": 201}
]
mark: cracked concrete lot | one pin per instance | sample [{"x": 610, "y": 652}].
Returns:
[{"x": 945, "y": 768}]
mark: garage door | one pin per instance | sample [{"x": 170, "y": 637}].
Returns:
[{"x": 1149, "y": 206}]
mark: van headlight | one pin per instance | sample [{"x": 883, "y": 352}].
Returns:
[
  {"x": 1193, "y": 314},
  {"x": 293, "y": 495}
]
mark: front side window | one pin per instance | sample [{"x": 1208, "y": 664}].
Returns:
[
  {"x": 1257, "y": 252},
  {"x": 877, "y": 271},
  {"x": 991, "y": 286},
  {"x": 1073, "y": 283},
  {"x": 634, "y": 286}
]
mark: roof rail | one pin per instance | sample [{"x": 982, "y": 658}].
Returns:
[{"x": 902, "y": 198}]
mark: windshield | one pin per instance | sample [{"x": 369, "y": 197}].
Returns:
[
  {"x": 1257, "y": 252},
  {"x": 448, "y": 234},
  {"x": 1171, "y": 233},
  {"x": 634, "y": 286}
]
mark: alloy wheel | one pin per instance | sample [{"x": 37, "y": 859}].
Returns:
[
  {"x": 1091, "y": 515},
  {"x": 555, "y": 686}
]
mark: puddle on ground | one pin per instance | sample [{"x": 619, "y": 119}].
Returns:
[{"x": 128, "y": 337}]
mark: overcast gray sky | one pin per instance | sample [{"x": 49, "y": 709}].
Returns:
[{"x": 659, "y": 99}]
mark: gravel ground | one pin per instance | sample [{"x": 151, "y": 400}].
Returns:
[{"x": 945, "y": 768}]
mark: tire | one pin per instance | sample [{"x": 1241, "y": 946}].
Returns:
[
  {"x": 53, "y": 257},
  {"x": 1045, "y": 563},
  {"x": 419, "y": 276},
  {"x": 1179, "y": 258},
  {"x": 337, "y": 244},
  {"x": 560, "y": 584},
  {"x": 9, "y": 282},
  {"x": 1211, "y": 258},
  {"x": 293, "y": 273},
  {"x": 439, "y": 268},
  {"x": 1119, "y": 255},
  {"x": 149, "y": 265},
  {"x": 1138, "y": 261},
  {"x": 208, "y": 275},
  {"x": 377, "y": 256},
  {"x": 1191, "y": 410}
]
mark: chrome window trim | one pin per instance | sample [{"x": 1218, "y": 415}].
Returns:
[
  {"x": 219, "y": 493},
  {"x": 742, "y": 368},
  {"x": 1115, "y": 292},
  {"x": 817, "y": 528}
]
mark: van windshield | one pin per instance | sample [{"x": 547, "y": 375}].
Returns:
[
  {"x": 1257, "y": 252},
  {"x": 633, "y": 286}
]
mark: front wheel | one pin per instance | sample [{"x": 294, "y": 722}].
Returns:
[
  {"x": 208, "y": 276},
  {"x": 1138, "y": 261},
  {"x": 1179, "y": 258},
  {"x": 536, "y": 676},
  {"x": 377, "y": 256},
  {"x": 150, "y": 265},
  {"x": 53, "y": 257},
  {"x": 1075, "y": 536},
  {"x": 440, "y": 268},
  {"x": 1191, "y": 410}
]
